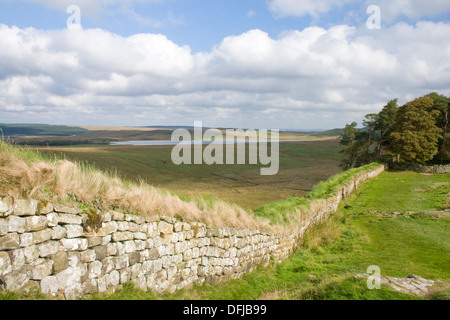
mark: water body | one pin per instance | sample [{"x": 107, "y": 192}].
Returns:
[{"x": 172, "y": 143}]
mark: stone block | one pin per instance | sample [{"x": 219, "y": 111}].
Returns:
[
  {"x": 16, "y": 280},
  {"x": 125, "y": 275},
  {"x": 16, "y": 224},
  {"x": 130, "y": 246},
  {"x": 152, "y": 230},
  {"x": 60, "y": 261},
  {"x": 35, "y": 223},
  {"x": 87, "y": 256},
  {"x": 74, "y": 244},
  {"x": 69, "y": 210},
  {"x": 94, "y": 241},
  {"x": 123, "y": 225},
  {"x": 73, "y": 230},
  {"x": 107, "y": 265},
  {"x": 4, "y": 226},
  {"x": 135, "y": 227},
  {"x": 180, "y": 247},
  {"x": 42, "y": 236},
  {"x": 122, "y": 236},
  {"x": 165, "y": 228},
  {"x": 154, "y": 254},
  {"x": 9, "y": 242},
  {"x": 4, "y": 208},
  {"x": 101, "y": 252},
  {"x": 106, "y": 239},
  {"x": 47, "y": 209},
  {"x": 58, "y": 233},
  {"x": 178, "y": 226},
  {"x": 42, "y": 270},
  {"x": 69, "y": 218},
  {"x": 48, "y": 248},
  {"x": 69, "y": 277},
  {"x": 26, "y": 239},
  {"x": 106, "y": 217},
  {"x": 31, "y": 254},
  {"x": 121, "y": 261},
  {"x": 111, "y": 249},
  {"x": 134, "y": 258},
  {"x": 117, "y": 216},
  {"x": 5, "y": 263},
  {"x": 49, "y": 285},
  {"x": 113, "y": 279},
  {"x": 89, "y": 286},
  {"x": 135, "y": 218},
  {"x": 140, "y": 245},
  {"x": 94, "y": 269},
  {"x": 25, "y": 207},
  {"x": 52, "y": 218}
]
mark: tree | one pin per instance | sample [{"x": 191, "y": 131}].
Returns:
[
  {"x": 441, "y": 104},
  {"x": 384, "y": 122},
  {"x": 415, "y": 135},
  {"x": 369, "y": 137},
  {"x": 352, "y": 140}
]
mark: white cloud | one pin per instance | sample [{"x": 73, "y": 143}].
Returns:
[{"x": 313, "y": 78}]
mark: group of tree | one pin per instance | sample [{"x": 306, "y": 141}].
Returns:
[{"x": 416, "y": 133}]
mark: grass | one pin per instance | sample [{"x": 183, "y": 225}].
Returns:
[
  {"x": 26, "y": 174},
  {"x": 329, "y": 187},
  {"x": 287, "y": 211},
  {"x": 363, "y": 232}
]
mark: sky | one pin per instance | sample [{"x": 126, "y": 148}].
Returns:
[{"x": 268, "y": 64}]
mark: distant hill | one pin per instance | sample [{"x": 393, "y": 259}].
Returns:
[
  {"x": 21, "y": 129},
  {"x": 328, "y": 133}
]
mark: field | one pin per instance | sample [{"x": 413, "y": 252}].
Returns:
[{"x": 302, "y": 165}]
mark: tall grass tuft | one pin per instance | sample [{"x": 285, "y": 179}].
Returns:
[{"x": 26, "y": 173}]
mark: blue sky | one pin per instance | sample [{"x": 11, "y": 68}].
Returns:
[
  {"x": 201, "y": 24},
  {"x": 250, "y": 63}
]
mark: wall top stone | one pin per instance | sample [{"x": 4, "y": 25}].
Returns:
[{"x": 25, "y": 207}]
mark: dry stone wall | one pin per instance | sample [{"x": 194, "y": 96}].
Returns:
[
  {"x": 58, "y": 250},
  {"x": 445, "y": 168}
]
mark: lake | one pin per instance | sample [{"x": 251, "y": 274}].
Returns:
[{"x": 172, "y": 143}]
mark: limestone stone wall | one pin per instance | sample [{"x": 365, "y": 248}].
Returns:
[
  {"x": 63, "y": 251},
  {"x": 445, "y": 168}
]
